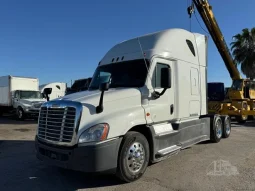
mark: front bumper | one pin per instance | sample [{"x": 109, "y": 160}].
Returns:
[
  {"x": 87, "y": 158},
  {"x": 32, "y": 112}
]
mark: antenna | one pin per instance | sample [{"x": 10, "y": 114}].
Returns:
[{"x": 145, "y": 60}]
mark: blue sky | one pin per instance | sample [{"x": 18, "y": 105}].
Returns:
[{"x": 63, "y": 40}]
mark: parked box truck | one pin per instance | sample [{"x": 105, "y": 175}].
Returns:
[
  {"x": 20, "y": 95},
  {"x": 147, "y": 101}
]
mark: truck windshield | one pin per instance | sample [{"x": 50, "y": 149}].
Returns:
[
  {"x": 250, "y": 85},
  {"x": 30, "y": 95},
  {"x": 237, "y": 85},
  {"x": 123, "y": 74}
]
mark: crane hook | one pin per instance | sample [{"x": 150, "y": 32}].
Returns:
[{"x": 191, "y": 10}]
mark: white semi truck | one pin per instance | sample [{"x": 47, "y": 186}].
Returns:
[
  {"x": 58, "y": 89},
  {"x": 20, "y": 95},
  {"x": 147, "y": 101}
]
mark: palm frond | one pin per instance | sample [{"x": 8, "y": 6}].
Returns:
[{"x": 243, "y": 51}]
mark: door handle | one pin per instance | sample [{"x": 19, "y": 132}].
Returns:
[{"x": 171, "y": 109}]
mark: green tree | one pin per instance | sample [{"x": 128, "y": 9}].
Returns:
[{"x": 243, "y": 50}]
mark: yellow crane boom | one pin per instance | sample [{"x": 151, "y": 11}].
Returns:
[
  {"x": 205, "y": 11},
  {"x": 241, "y": 96}
]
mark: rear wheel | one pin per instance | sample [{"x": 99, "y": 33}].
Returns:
[
  {"x": 226, "y": 126},
  {"x": 251, "y": 117},
  {"x": 241, "y": 119},
  {"x": 216, "y": 129},
  {"x": 134, "y": 157}
]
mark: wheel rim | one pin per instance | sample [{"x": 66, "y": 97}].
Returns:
[
  {"x": 218, "y": 129},
  {"x": 227, "y": 127},
  {"x": 135, "y": 157},
  {"x": 20, "y": 113}
]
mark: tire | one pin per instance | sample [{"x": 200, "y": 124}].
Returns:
[
  {"x": 251, "y": 117},
  {"x": 241, "y": 119},
  {"x": 226, "y": 126},
  {"x": 136, "y": 143},
  {"x": 20, "y": 114},
  {"x": 216, "y": 129}
]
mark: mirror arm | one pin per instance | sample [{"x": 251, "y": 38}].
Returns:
[
  {"x": 100, "y": 107},
  {"x": 164, "y": 90},
  {"x": 157, "y": 95},
  {"x": 47, "y": 97}
]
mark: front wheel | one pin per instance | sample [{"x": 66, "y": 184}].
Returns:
[
  {"x": 20, "y": 114},
  {"x": 251, "y": 117},
  {"x": 134, "y": 157}
]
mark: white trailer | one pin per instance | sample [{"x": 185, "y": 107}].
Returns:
[
  {"x": 20, "y": 95},
  {"x": 151, "y": 104},
  {"x": 58, "y": 89}
]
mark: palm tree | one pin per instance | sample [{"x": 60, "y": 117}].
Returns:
[{"x": 243, "y": 49}]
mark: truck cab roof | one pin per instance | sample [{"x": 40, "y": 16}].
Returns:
[{"x": 178, "y": 42}]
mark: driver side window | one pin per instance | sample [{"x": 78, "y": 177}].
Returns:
[
  {"x": 237, "y": 85},
  {"x": 156, "y": 77}
]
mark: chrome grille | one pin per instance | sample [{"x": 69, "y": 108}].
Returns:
[{"x": 57, "y": 124}]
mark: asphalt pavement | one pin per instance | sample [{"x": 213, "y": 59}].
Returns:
[{"x": 227, "y": 165}]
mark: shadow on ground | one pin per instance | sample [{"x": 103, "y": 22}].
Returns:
[
  {"x": 21, "y": 170},
  {"x": 246, "y": 124},
  {"x": 11, "y": 120}
]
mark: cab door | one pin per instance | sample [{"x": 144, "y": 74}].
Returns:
[
  {"x": 15, "y": 99},
  {"x": 162, "y": 109}
]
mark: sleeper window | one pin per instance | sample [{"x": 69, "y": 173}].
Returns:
[{"x": 191, "y": 47}]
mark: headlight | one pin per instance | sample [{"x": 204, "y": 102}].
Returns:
[
  {"x": 27, "y": 108},
  {"x": 96, "y": 133}
]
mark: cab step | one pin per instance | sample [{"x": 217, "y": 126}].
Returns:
[{"x": 169, "y": 150}]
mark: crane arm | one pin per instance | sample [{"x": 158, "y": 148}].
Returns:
[{"x": 205, "y": 11}]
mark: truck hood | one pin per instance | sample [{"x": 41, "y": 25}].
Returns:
[
  {"x": 120, "y": 106},
  {"x": 93, "y": 97}
]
